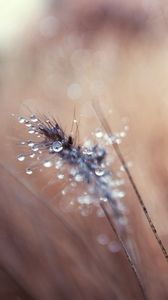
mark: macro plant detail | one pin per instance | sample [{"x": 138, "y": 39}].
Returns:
[{"x": 90, "y": 164}]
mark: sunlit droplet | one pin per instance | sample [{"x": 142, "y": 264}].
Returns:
[
  {"x": 118, "y": 141},
  {"x": 29, "y": 171},
  {"x": 60, "y": 176},
  {"x": 33, "y": 118},
  {"x": 31, "y": 130},
  {"x": 21, "y": 120},
  {"x": 122, "y": 134},
  {"x": 28, "y": 124},
  {"x": 88, "y": 151},
  {"x": 126, "y": 127},
  {"x": 99, "y": 172},
  {"x": 47, "y": 164},
  {"x": 21, "y": 157},
  {"x": 78, "y": 178},
  {"x": 57, "y": 146},
  {"x": 35, "y": 148},
  {"x": 30, "y": 144},
  {"x": 99, "y": 134},
  {"x": 63, "y": 192}
]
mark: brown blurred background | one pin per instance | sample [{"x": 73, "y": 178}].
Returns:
[{"x": 54, "y": 56}]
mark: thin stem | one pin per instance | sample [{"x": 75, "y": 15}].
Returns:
[
  {"x": 141, "y": 202},
  {"x": 131, "y": 262},
  {"x": 122, "y": 160}
]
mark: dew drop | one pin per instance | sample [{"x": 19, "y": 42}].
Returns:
[
  {"x": 122, "y": 134},
  {"x": 35, "y": 148},
  {"x": 99, "y": 172},
  {"x": 88, "y": 151},
  {"x": 33, "y": 118},
  {"x": 101, "y": 152},
  {"x": 99, "y": 134},
  {"x": 118, "y": 141},
  {"x": 47, "y": 164},
  {"x": 122, "y": 168},
  {"x": 60, "y": 176},
  {"x": 78, "y": 178},
  {"x": 31, "y": 130},
  {"x": 28, "y": 124},
  {"x": 29, "y": 171},
  {"x": 21, "y": 157},
  {"x": 30, "y": 144},
  {"x": 63, "y": 192},
  {"x": 126, "y": 127},
  {"x": 57, "y": 146},
  {"x": 21, "y": 120}
]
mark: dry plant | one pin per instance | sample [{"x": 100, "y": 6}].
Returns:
[{"x": 56, "y": 242}]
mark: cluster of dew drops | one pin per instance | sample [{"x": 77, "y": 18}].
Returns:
[{"x": 85, "y": 200}]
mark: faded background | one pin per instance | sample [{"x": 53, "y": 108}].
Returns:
[{"x": 54, "y": 56}]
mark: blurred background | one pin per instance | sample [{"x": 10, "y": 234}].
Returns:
[{"x": 57, "y": 55}]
